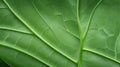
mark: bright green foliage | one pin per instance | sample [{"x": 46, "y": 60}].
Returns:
[{"x": 60, "y": 33}]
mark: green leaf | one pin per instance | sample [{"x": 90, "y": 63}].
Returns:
[
  {"x": 103, "y": 36},
  {"x": 60, "y": 33},
  {"x": 3, "y": 64}
]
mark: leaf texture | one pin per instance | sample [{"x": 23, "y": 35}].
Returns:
[{"x": 60, "y": 33}]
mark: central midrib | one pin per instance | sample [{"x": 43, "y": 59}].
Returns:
[
  {"x": 80, "y": 31},
  {"x": 83, "y": 36}
]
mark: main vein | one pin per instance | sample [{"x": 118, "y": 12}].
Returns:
[
  {"x": 80, "y": 34},
  {"x": 83, "y": 36}
]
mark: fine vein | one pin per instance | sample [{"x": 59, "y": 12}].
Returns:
[
  {"x": 90, "y": 19},
  {"x": 100, "y": 54},
  {"x": 23, "y": 51},
  {"x": 15, "y": 30}
]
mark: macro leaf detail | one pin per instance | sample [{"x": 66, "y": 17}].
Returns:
[{"x": 59, "y": 33}]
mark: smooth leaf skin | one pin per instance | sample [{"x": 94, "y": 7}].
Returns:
[
  {"x": 3, "y": 64},
  {"x": 43, "y": 33},
  {"x": 2, "y": 4}
]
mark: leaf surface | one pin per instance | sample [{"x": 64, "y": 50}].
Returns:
[{"x": 60, "y": 33}]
